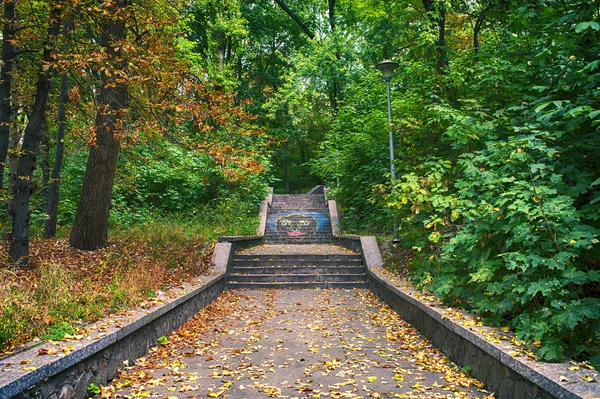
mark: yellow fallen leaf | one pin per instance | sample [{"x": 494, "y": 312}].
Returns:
[
  {"x": 562, "y": 378},
  {"x": 25, "y": 361},
  {"x": 29, "y": 368},
  {"x": 68, "y": 349},
  {"x": 123, "y": 384},
  {"x": 587, "y": 378},
  {"x": 226, "y": 383},
  {"x": 398, "y": 377},
  {"x": 372, "y": 379}
]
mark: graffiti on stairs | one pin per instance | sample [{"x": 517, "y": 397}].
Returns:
[{"x": 297, "y": 225}]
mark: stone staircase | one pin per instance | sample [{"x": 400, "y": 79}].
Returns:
[
  {"x": 298, "y": 250},
  {"x": 297, "y": 266},
  {"x": 298, "y": 219}
]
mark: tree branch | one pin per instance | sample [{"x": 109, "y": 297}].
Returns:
[{"x": 296, "y": 18}]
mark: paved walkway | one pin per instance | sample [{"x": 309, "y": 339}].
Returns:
[{"x": 296, "y": 344}]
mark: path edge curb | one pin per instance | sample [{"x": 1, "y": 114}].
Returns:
[
  {"x": 508, "y": 376},
  {"x": 99, "y": 360}
]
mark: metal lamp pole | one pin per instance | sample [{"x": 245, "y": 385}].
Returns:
[{"x": 387, "y": 70}]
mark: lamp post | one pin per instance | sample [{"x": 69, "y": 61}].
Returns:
[{"x": 387, "y": 68}]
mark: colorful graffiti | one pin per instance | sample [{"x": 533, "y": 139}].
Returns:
[{"x": 297, "y": 225}]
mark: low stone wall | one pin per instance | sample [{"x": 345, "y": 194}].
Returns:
[
  {"x": 96, "y": 359},
  {"x": 262, "y": 215},
  {"x": 334, "y": 217},
  {"x": 509, "y": 377},
  {"x": 242, "y": 242},
  {"x": 365, "y": 245}
]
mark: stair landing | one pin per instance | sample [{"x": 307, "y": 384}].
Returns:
[{"x": 298, "y": 249}]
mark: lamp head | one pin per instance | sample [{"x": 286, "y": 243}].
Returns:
[{"x": 387, "y": 68}]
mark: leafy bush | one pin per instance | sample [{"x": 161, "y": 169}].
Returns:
[{"x": 509, "y": 241}]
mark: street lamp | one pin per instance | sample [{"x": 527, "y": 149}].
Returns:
[{"x": 387, "y": 68}]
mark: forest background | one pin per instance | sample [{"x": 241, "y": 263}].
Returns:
[{"x": 127, "y": 118}]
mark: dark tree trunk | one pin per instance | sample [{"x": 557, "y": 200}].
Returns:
[
  {"x": 332, "y": 22},
  {"x": 54, "y": 189},
  {"x": 476, "y": 29},
  {"x": 437, "y": 15},
  {"x": 90, "y": 228},
  {"x": 45, "y": 164},
  {"x": 442, "y": 61},
  {"x": 8, "y": 52},
  {"x": 22, "y": 180}
]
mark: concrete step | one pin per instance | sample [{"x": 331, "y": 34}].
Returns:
[
  {"x": 323, "y": 232},
  {"x": 297, "y": 257},
  {"x": 291, "y": 241},
  {"x": 295, "y": 263},
  {"x": 299, "y": 286},
  {"x": 297, "y": 269},
  {"x": 271, "y": 234},
  {"x": 296, "y": 278}
]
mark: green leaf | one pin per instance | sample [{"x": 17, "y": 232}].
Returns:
[
  {"x": 542, "y": 106},
  {"x": 550, "y": 350},
  {"x": 580, "y": 27}
]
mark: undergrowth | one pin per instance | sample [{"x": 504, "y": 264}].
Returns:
[{"x": 64, "y": 288}]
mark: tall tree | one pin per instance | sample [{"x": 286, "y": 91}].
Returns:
[
  {"x": 22, "y": 180},
  {"x": 54, "y": 188},
  {"x": 90, "y": 228},
  {"x": 8, "y": 54}
]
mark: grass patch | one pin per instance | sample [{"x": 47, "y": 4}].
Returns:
[{"x": 63, "y": 287}]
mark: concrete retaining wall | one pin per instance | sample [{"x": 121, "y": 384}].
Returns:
[
  {"x": 262, "y": 215},
  {"x": 509, "y": 377},
  {"x": 96, "y": 359}
]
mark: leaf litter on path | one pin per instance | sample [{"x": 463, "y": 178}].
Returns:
[{"x": 295, "y": 344}]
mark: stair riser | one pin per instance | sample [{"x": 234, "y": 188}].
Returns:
[
  {"x": 294, "y": 264},
  {"x": 298, "y": 286},
  {"x": 297, "y": 278},
  {"x": 297, "y": 257},
  {"x": 321, "y": 233},
  {"x": 298, "y": 241},
  {"x": 297, "y": 270}
]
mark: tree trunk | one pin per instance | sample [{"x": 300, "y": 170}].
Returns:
[
  {"x": 476, "y": 29},
  {"x": 8, "y": 51},
  {"x": 90, "y": 228},
  {"x": 437, "y": 15},
  {"x": 332, "y": 22},
  {"x": 45, "y": 164},
  {"x": 54, "y": 190},
  {"x": 22, "y": 180}
]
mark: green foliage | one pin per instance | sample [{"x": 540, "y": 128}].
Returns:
[
  {"x": 497, "y": 184},
  {"x": 93, "y": 389},
  {"x": 519, "y": 243},
  {"x": 58, "y": 331},
  {"x": 162, "y": 340}
]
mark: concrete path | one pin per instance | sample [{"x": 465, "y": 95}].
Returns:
[{"x": 296, "y": 344}]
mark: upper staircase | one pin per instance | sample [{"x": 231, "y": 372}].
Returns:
[
  {"x": 298, "y": 219},
  {"x": 298, "y": 252}
]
